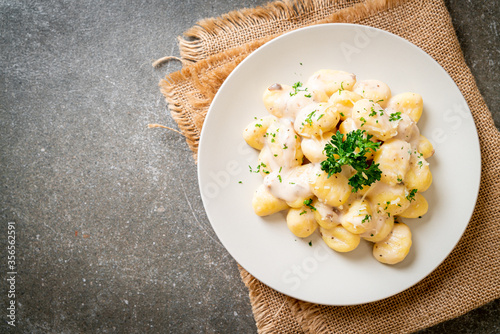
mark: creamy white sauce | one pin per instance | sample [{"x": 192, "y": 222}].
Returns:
[
  {"x": 288, "y": 137},
  {"x": 279, "y": 104},
  {"x": 408, "y": 130},
  {"x": 349, "y": 125},
  {"x": 331, "y": 81},
  {"x": 378, "y": 221},
  {"x": 370, "y": 116},
  {"x": 295, "y": 103},
  {"x": 302, "y": 115},
  {"x": 286, "y": 181},
  {"x": 313, "y": 148},
  {"x": 328, "y": 213},
  {"x": 288, "y": 186}
]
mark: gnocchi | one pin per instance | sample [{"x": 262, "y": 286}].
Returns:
[{"x": 347, "y": 194}]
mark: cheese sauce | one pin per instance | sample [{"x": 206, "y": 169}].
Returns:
[{"x": 298, "y": 132}]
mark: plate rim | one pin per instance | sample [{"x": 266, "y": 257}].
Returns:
[{"x": 320, "y": 26}]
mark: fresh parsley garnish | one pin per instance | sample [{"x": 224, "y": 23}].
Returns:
[
  {"x": 352, "y": 152},
  {"x": 366, "y": 219}
]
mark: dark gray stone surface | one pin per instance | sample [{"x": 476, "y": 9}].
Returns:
[{"x": 111, "y": 231}]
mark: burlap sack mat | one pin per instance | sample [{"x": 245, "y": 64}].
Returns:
[{"x": 469, "y": 277}]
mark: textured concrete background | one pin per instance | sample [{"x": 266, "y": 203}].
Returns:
[{"x": 111, "y": 232}]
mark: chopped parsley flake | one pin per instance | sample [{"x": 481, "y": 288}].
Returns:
[
  {"x": 257, "y": 170},
  {"x": 363, "y": 120},
  {"x": 296, "y": 88},
  {"x": 395, "y": 116},
  {"x": 411, "y": 195},
  {"x": 309, "y": 117},
  {"x": 373, "y": 113},
  {"x": 366, "y": 219},
  {"x": 308, "y": 202}
]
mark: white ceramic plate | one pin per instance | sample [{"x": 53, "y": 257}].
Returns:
[{"x": 264, "y": 246}]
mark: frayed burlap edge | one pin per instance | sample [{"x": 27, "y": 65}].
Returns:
[
  {"x": 219, "y": 70},
  {"x": 224, "y": 63},
  {"x": 262, "y": 313},
  {"x": 300, "y": 310},
  {"x": 290, "y": 13}
]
